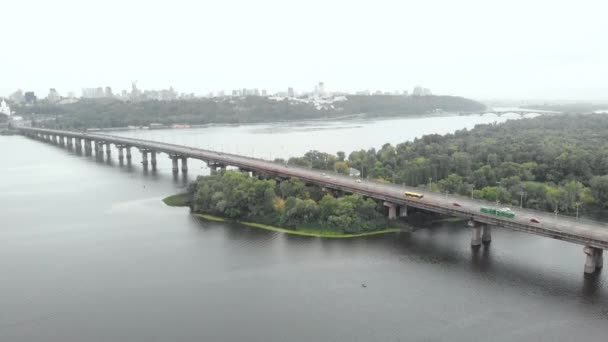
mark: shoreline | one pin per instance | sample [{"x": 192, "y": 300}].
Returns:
[
  {"x": 350, "y": 117},
  {"x": 301, "y": 232}
]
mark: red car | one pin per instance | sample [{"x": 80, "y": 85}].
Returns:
[
  {"x": 533, "y": 220},
  {"x": 456, "y": 204}
]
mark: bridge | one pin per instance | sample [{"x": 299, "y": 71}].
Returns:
[
  {"x": 519, "y": 111},
  {"x": 593, "y": 235}
]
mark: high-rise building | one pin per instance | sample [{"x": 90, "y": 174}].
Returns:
[
  {"x": 53, "y": 95},
  {"x": 290, "y": 92},
  {"x": 30, "y": 97},
  {"x": 108, "y": 92},
  {"x": 4, "y": 108},
  {"x": 92, "y": 93},
  {"x": 321, "y": 89},
  {"x": 135, "y": 93},
  {"x": 17, "y": 97},
  {"x": 420, "y": 91}
]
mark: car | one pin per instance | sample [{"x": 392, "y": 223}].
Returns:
[
  {"x": 328, "y": 177},
  {"x": 323, "y": 174},
  {"x": 358, "y": 181},
  {"x": 533, "y": 220},
  {"x": 456, "y": 204}
]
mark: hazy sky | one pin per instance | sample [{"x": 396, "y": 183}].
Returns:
[{"x": 482, "y": 49}]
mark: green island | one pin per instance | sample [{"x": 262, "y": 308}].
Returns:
[
  {"x": 108, "y": 113},
  {"x": 290, "y": 206}
]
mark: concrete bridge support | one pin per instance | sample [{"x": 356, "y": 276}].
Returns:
[
  {"x": 121, "y": 153},
  {"x": 595, "y": 259},
  {"x": 174, "y": 162},
  {"x": 78, "y": 143},
  {"x": 108, "y": 150},
  {"x": 153, "y": 159},
  {"x": 128, "y": 148},
  {"x": 392, "y": 210},
  {"x": 403, "y": 210},
  {"x": 144, "y": 158},
  {"x": 486, "y": 235},
  {"x": 87, "y": 147},
  {"x": 69, "y": 142},
  {"x": 184, "y": 164},
  {"x": 476, "y": 235},
  {"x": 98, "y": 149}
]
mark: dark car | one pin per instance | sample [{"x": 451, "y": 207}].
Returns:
[
  {"x": 533, "y": 220},
  {"x": 456, "y": 204}
]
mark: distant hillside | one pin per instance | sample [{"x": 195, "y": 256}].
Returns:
[{"x": 115, "y": 113}]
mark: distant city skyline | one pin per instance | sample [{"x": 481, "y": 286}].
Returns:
[{"x": 472, "y": 48}]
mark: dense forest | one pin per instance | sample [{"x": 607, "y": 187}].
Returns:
[
  {"x": 290, "y": 203},
  {"x": 572, "y": 107},
  {"x": 545, "y": 163},
  {"x": 103, "y": 113}
]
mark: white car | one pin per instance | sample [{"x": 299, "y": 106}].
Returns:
[{"x": 358, "y": 181}]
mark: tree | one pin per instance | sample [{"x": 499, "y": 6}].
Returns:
[
  {"x": 599, "y": 189},
  {"x": 342, "y": 167}
]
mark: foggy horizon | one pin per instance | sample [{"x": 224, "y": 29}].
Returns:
[{"x": 485, "y": 51}]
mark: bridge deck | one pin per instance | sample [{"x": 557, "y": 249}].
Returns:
[{"x": 584, "y": 232}]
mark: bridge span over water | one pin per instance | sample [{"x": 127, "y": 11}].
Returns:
[{"x": 593, "y": 235}]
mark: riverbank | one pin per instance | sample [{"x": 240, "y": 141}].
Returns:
[
  {"x": 302, "y": 231},
  {"x": 183, "y": 200}
]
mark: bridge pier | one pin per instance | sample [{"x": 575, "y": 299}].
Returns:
[
  {"x": 486, "y": 235},
  {"x": 595, "y": 259},
  {"x": 128, "y": 148},
  {"x": 78, "y": 143},
  {"x": 476, "y": 233},
  {"x": 403, "y": 210},
  {"x": 69, "y": 142},
  {"x": 174, "y": 163},
  {"x": 153, "y": 159},
  {"x": 87, "y": 147},
  {"x": 144, "y": 158},
  {"x": 121, "y": 154},
  {"x": 184, "y": 164},
  {"x": 392, "y": 210},
  {"x": 108, "y": 150},
  {"x": 99, "y": 149}
]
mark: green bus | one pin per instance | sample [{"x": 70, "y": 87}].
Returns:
[{"x": 504, "y": 212}]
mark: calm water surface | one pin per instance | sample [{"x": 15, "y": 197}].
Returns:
[{"x": 89, "y": 253}]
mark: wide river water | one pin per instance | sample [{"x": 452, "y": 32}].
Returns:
[{"x": 88, "y": 252}]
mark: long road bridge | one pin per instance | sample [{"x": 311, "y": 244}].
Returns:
[
  {"x": 519, "y": 111},
  {"x": 593, "y": 235}
]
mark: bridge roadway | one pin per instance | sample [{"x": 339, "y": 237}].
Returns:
[{"x": 591, "y": 234}]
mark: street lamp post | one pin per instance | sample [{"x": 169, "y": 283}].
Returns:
[
  {"x": 497, "y": 188},
  {"x": 577, "y": 205},
  {"x": 430, "y": 183}
]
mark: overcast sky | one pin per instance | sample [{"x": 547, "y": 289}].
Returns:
[{"x": 481, "y": 49}]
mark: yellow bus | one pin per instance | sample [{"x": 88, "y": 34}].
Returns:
[{"x": 413, "y": 194}]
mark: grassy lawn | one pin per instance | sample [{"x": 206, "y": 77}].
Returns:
[{"x": 179, "y": 200}]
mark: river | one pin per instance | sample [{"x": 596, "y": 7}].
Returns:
[{"x": 88, "y": 252}]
